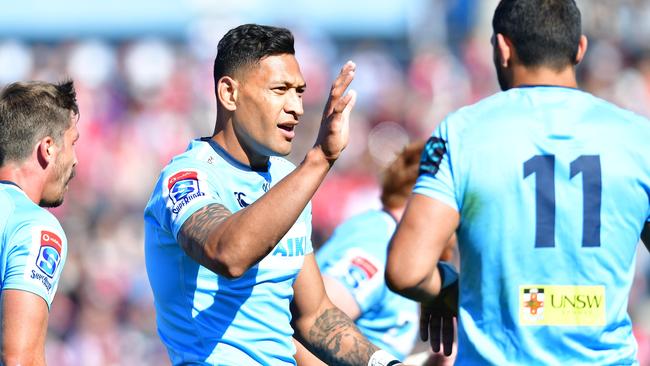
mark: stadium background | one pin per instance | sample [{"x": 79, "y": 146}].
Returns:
[{"x": 143, "y": 74}]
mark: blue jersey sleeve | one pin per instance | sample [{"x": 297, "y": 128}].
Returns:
[
  {"x": 185, "y": 188},
  {"x": 436, "y": 178},
  {"x": 36, "y": 256}
]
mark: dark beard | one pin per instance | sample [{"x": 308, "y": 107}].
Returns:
[{"x": 59, "y": 201}]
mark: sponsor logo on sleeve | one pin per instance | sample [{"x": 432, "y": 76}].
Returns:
[
  {"x": 562, "y": 305},
  {"x": 432, "y": 155},
  {"x": 359, "y": 271},
  {"x": 49, "y": 255},
  {"x": 45, "y": 256},
  {"x": 183, "y": 187}
]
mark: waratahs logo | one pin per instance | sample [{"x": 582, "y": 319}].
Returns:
[{"x": 49, "y": 255}]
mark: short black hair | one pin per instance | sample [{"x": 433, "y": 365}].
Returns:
[
  {"x": 30, "y": 111},
  {"x": 247, "y": 44},
  {"x": 544, "y": 32}
]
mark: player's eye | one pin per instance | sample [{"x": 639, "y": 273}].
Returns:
[{"x": 280, "y": 89}]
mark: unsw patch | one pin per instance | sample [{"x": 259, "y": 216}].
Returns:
[{"x": 432, "y": 155}]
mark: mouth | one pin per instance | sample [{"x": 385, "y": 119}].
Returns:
[{"x": 288, "y": 129}]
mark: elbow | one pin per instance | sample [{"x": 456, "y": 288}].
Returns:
[
  {"x": 229, "y": 264},
  {"x": 225, "y": 266},
  {"x": 400, "y": 280}
]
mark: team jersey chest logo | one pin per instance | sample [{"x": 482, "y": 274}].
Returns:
[
  {"x": 49, "y": 254},
  {"x": 239, "y": 196}
]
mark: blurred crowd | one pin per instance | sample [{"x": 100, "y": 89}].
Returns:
[{"x": 143, "y": 100}]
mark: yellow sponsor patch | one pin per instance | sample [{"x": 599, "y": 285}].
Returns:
[{"x": 561, "y": 305}]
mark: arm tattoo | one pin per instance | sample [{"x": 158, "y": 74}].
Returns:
[
  {"x": 196, "y": 229},
  {"x": 336, "y": 340}
]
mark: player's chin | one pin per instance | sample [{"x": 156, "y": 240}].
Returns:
[{"x": 282, "y": 149}]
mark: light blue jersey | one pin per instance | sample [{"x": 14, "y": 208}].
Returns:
[
  {"x": 553, "y": 189},
  {"x": 33, "y": 245},
  {"x": 355, "y": 255},
  {"x": 204, "y": 318}
]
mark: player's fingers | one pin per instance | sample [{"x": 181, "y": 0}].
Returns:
[
  {"x": 434, "y": 332},
  {"x": 341, "y": 83},
  {"x": 344, "y": 77},
  {"x": 447, "y": 335},
  {"x": 424, "y": 324},
  {"x": 346, "y": 104}
]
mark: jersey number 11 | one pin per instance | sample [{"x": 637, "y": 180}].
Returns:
[{"x": 544, "y": 168}]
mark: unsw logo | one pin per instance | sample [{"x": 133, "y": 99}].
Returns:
[{"x": 183, "y": 187}]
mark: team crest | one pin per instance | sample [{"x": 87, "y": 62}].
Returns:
[
  {"x": 49, "y": 254},
  {"x": 434, "y": 150},
  {"x": 533, "y": 303}
]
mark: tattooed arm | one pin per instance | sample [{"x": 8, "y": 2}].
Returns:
[
  {"x": 230, "y": 243},
  {"x": 321, "y": 327}
]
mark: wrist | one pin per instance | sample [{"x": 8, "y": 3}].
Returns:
[
  {"x": 315, "y": 156},
  {"x": 383, "y": 358}
]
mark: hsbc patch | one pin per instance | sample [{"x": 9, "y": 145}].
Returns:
[
  {"x": 49, "y": 254},
  {"x": 183, "y": 187}
]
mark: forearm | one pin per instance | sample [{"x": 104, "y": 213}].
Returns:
[
  {"x": 250, "y": 234},
  {"x": 334, "y": 338},
  {"x": 423, "y": 291}
]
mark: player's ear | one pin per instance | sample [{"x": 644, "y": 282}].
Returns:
[
  {"x": 582, "y": 49},
  {"x": 227, "y": 91},
  {"x": 45, "y": 151},
  {"x": 504, "y": 49}
]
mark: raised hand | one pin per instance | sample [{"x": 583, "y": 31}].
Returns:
[
  {"x": 438, "y": 320},
  {"x": 334, "y": 130}
]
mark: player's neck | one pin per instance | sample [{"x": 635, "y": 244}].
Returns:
[
  {"x": 522, "y": 75},
  {"x": 228, "y": 141},
  {"x": 26, "y": 178}
]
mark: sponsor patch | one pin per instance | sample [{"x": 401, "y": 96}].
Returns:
[
  {"x": 562, "y": 305},
  {"x": 183, "y": 187},
  {"x": 359, "y": 271},
  {"x": 434, "y": 150},
  {"x": 49, "y": 254}
]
